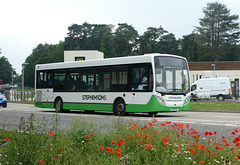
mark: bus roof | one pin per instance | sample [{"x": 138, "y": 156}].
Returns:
[{"x": 146, "y": 58}]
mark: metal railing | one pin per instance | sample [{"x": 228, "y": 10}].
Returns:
[{"x": 19, "y": 96}]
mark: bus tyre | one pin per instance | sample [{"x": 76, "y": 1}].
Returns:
[
  {"x": 152, "y": 114},
  {"x": 119, "y": 108},
  {"x": 221, "y": 98},
  {"x": 58, "y": 105}
]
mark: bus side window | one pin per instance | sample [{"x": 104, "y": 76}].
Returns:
[{"x": 140, "y": 78}]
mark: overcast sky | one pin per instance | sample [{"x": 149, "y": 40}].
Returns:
[{"x": 26, "y": 23}]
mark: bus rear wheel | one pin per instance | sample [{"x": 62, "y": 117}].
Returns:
[
  {"x": 59, "y": 105},
  {"x": 152, "y": 114},
  {"x": 119, "y": 108}
]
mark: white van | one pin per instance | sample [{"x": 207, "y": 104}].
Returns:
[{"x": 219, "y": 88}]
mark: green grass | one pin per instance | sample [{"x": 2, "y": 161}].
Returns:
[
  {"x": 38, "y": 141},
  {"x": 215, "y": 105}
]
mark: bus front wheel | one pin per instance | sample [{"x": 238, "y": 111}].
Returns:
[{"x": 119, "y": 107}]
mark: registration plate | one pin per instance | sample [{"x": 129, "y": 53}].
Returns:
[{"x": 174, "y": 109}]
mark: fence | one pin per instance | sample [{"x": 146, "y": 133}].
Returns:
[{"x": 20, "y": 96}]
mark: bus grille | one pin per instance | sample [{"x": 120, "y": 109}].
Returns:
[{"x": 39, "y": 96}]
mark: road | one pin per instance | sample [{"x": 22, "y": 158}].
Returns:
[{"x": 203, "y": 121}]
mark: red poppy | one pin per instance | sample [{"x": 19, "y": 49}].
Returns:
[
  {"x": 91, "y": 134},
  {"x": 210, "y": 133},
  {"x": 132, "y": 137},
  {"x": 139, "y": 137},
  {"x": 145, "y": 126},
  {"x": 133, "y": 127},
  {"x": 42, "y": 161},
  {"x": 206, "y": 133},
  {"x": 238, "y": 157},
  {"x": 236, "y": 130},
  {"x": 187, "y": 125},
  {"x": 128, "y": 129},
  {"x": 150, "y": 124},
  {"x": 101, "y": 148},
  {"x": 119, "y": 143},
  {"x": 215, "y": 132},
  {"x": 134, "y": 124},
  {"x": 51, "y": 133},
  {"x": 7, "y": 138},
  {"x": 113, "y": 142},
  {"x": 237, "y": 139},
  {"x": 119, "y": 154},
  {"x": 179, "y": 149},
  {"x": 201, "y": 162},
  {"x": 233, "y": 133},
  {"x": 162, "y": 124},
  {"x": 87, "y": 137}
]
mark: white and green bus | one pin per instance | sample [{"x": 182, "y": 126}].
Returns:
[{"x": 148, "y": 83}]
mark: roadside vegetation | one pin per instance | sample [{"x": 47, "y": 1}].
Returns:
[
  {"x": 215, "y": 105},
  {"x": 38, "y": 141}
]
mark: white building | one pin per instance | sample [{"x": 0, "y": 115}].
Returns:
[
  {"x": 200, "y": 70},
  {"x": 81, "y": 55}
]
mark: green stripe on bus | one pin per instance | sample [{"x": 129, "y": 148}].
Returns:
[{"x": 152, "y": 106}]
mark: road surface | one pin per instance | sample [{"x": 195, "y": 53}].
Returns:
[{"x": 203, "y": 121}]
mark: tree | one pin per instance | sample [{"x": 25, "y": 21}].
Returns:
[
  {"x": 42, "y": 54},
  {"x": 86, "y": 36},
  {"x": 218, "y": 28},
  {"x": 189, "y": 47},
  {"x": 5, "y": 70},
  {"x": 125, "y": 40},
  {"x": 107, "y": 45},
  {"x": 168, "y": 44},
  {"x": 149, "y": 40}
]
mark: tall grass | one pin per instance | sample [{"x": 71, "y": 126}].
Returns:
[{"x": 123, "y": 143}]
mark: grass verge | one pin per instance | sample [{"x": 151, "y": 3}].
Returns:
[{"x": 215, "y": 105}]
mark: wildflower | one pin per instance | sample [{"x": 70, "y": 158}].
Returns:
[
  {"x": 101, "y": 148},
  {"x": 51, "y": 133},
  {"x": 150, "y": 124},
  {"x": 168, "y": 122},
  {"x": 162, "y": 124},
  {"x": 132, "y": 137},
  {"x": 142, "y": 128},
  {"x": 201, "y": 162},
  {"x": 238, "y": 157},
  {"x": 127, "y": 129},
  {"x": 179, "y": 149},
  {"x": 41, "y": 161},
  {"x": 91, "y": 134},
  {"x": 107, "y": 148},
  {"x": 145, "y": 126},
  {"x": 134, "y": 124},
  {"x": 237, "y": 139},
  {"x": 113, "y": 142},
  {"x": 210, "y": 133},
  {"x": 206, "y": 133},
  {"x": 87, "y": 137},
  {"x": 187, "y": 125},
  {"x": 57, "y": 158},
  {"x": 7, "y": 138},
  {"x": 154, "y": 132},
  {"x": 119, "y": 143},
  {"x": 236, "y": 129},
  {"x": 233, "y": 133},
  {"x": 139, "y": 137},
  {"x": 215, "y": 132},
  {"x": 89, "y": 142},
  {"x": 119, "y": 154},
  {"x": 133, "y": 127}
]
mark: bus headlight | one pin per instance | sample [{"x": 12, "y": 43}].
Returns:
[
  {"x": 186, "y": 100},
  {"x": 160, "y": 100}
]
